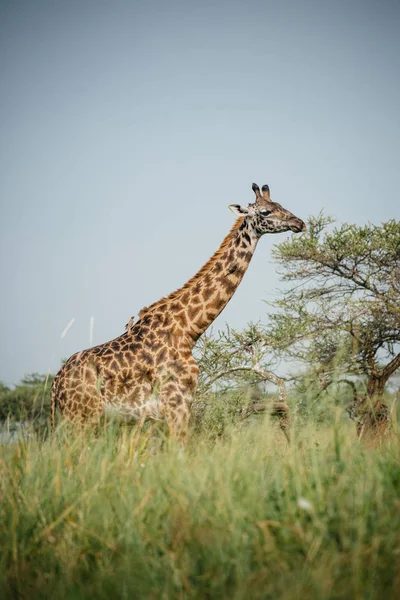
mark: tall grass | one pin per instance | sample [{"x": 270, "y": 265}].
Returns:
[{"x": 122, "y": 515}]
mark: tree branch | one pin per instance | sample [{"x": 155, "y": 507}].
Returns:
[
  {"x": 391, "y": 367},
  {"x": 264, "y": 375}
]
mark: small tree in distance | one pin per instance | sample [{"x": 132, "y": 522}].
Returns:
[{"x": 342, "y": 307}]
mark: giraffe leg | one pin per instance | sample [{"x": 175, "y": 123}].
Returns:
[{"x": 175, "y": 403}]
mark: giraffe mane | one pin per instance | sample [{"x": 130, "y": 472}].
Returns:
[{"x": 206, "y": 267}]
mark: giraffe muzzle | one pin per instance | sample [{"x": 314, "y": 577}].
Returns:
[{"x": 297, "y": 226}]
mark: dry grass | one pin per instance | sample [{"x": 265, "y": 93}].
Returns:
[{"x": 123, "y": 515}]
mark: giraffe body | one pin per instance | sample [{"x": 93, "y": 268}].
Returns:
[{"x": 149, "y": 371}]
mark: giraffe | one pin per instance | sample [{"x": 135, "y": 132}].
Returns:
[{"x": 149, "y": 370}]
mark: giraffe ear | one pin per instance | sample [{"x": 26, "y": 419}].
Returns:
[{"x": 240, "y": 211}]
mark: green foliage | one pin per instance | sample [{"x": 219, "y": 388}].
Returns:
[
  {"x": 228, "y": 357},
  {"x": 219, "y": 413},
  {"x": 312, "y": 402},
  {"x": 246, "y": 517},
  {"x": 234, "y": 373},
  {"x": 29, "y": 400},
  {"x": 343, "y": 302}
]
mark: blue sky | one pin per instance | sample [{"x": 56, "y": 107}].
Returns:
[{"x": 128, "y": 127}]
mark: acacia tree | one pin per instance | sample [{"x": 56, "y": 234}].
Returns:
[{"x": 341, "y": 308}]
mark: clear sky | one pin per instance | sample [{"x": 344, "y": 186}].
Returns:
[{"x": 128, "y": 127}]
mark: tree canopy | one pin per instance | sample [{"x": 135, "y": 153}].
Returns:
[{"x": 342, "y": 302}]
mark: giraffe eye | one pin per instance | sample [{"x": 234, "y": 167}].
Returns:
[{"x": 264, "y": 212}]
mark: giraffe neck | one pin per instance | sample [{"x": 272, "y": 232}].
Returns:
[{"x": 199, "y": 302}]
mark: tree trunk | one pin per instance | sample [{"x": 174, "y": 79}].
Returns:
[
  {"x": 376, "y": 387},
  {"x": 374, "y": 418}
]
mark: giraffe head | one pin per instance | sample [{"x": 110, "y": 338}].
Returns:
[{"x": 266, "y": 216}]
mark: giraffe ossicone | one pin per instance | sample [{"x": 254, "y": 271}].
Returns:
[{"x": 149, "y": 371}]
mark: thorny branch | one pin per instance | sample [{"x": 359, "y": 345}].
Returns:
[{"x": 280, "y": 408}]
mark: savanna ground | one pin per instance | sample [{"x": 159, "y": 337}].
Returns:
[{"x": 242, "y": 514}]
